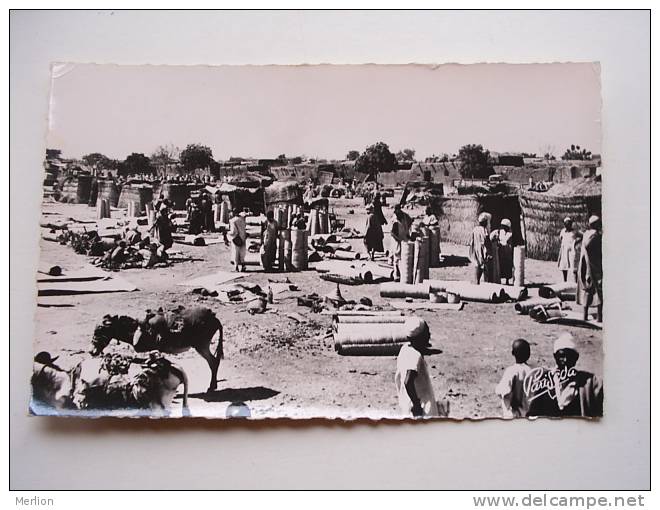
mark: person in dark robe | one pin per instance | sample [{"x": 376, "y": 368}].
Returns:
[
  {"x": 269, "y": 234},
  {"x": 163, "y": 228},
  {"x": 378, "y": 209},
  {"x": 590, "y": 269},
  {"x": 373, "y": 237}
]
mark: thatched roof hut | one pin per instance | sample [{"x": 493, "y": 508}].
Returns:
[
  {"x": 544, "y": 213},
  {"x": 241, "y": 197},
  {"x": 282, "y": 192},
  {"x": 458, "y": 214}
]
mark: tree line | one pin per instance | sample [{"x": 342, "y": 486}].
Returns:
[{"x": 473, "y": 160}]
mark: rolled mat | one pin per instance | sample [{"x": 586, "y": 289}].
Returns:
[
  {"x": 405, "y": 290},
  {"x": 403, "y": 305},
  {"x": 298, "y": 249},
  {"x": 283, "y": 236},
  {"x": 339, "y": 246},
  {"x": 434, "y": 246},
  {"x": 370, "y": 319},
  {"x": 313, "y": 226},
  {"x": 525, "y": 307},
  {"x": 288, "y": 251},
  {"x": 366, "y": 333},
  {"x": 519, "y": 265},
  {"x": 346, "y": 255},
  {"x": 390, "y": 349},
  {"x": 564, "y": 290},
  {"x": 375, "y": 313},
  {"x": 468, "y": 291},
  {"x": 347, "y": 279},
  {"x": 407, "y": 262}
]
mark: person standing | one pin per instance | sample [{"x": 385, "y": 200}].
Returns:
[
  {"x": 269, "y": 234},
  {"x": 400, "y": 232},
  {"x": 238, "y": 235},
  {"x": 163, "y": 229},
  {"x": 569, "y": 249},
  {"x": 480, "y": 249},
  {"x": 502, "y": 240},
  {"x": 590, "y": 269},
  {"x": 378, "y": 209},
  {"x": 430, "y": 219},
  {"x": 413, "y": 382},
  {"x": 511, "y": 388},
  {"x": 373, "y": 237}
]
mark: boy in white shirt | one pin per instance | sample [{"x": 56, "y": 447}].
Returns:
[
  {"x": 412, "y": 379},
  {"x": 511, "y": 387}
]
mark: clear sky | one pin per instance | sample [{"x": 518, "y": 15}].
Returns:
[{"x": 324, "y": 111}]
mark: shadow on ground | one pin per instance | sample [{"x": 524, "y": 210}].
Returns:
[{"x": 237, "y": 394}]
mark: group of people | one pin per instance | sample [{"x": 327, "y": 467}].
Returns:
[
  {"x": 491, "y": 253},
  {"x": 582, "y": 255},
  {"x": 238, "y": 240},
  {"x": 560, "y": 391},
  {"x": 523, "y": 391},
  {"x": 200, "y": 213}
]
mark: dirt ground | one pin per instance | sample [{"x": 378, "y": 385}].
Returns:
[{"x": 282, "y": 368}]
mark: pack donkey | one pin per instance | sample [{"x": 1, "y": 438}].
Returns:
[{"x": 170, "y": 332}]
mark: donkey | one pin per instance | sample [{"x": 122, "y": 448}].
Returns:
[{"x": 169, "y": 332}]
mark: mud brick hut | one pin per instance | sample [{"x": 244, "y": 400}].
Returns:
[
  {"x": 76, "y": 189},
  {"x": 544, "y": 212},
  {"x": 136, "y": 192},
  {"x": 458, "y": 214}
]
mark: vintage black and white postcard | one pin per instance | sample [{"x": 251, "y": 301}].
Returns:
[{"x": 334, "y": 241}]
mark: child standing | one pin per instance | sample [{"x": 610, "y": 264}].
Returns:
[{"x": 511, "y": 387}]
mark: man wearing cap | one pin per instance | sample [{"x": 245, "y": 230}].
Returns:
[
  {"x": 502, "y": 240},
  {"x": 590, "y": 269},
  {"x": 399, "y": 233},
  {"x": 569, "y": 249},
  {"x": 577, "y": 392},
  {"x": 480, "y": 248},
  {"x": 412, "y": 379}
]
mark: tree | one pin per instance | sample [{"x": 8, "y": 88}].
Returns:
[
  {"x": 406, "y": 155},
  {"x": 376, "y": 158},
  {"x": 297, "y": 160},
  {"x": 475, "y": 162},
  {"x": 576, "y": 153},
  {"x": 165, "y": 155},
  {"x": 196, "y": 156},
  {"x": 352, "y": 155},
  {"x": 135, "y": 163},
  {"x": 99, "y": 162}
]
